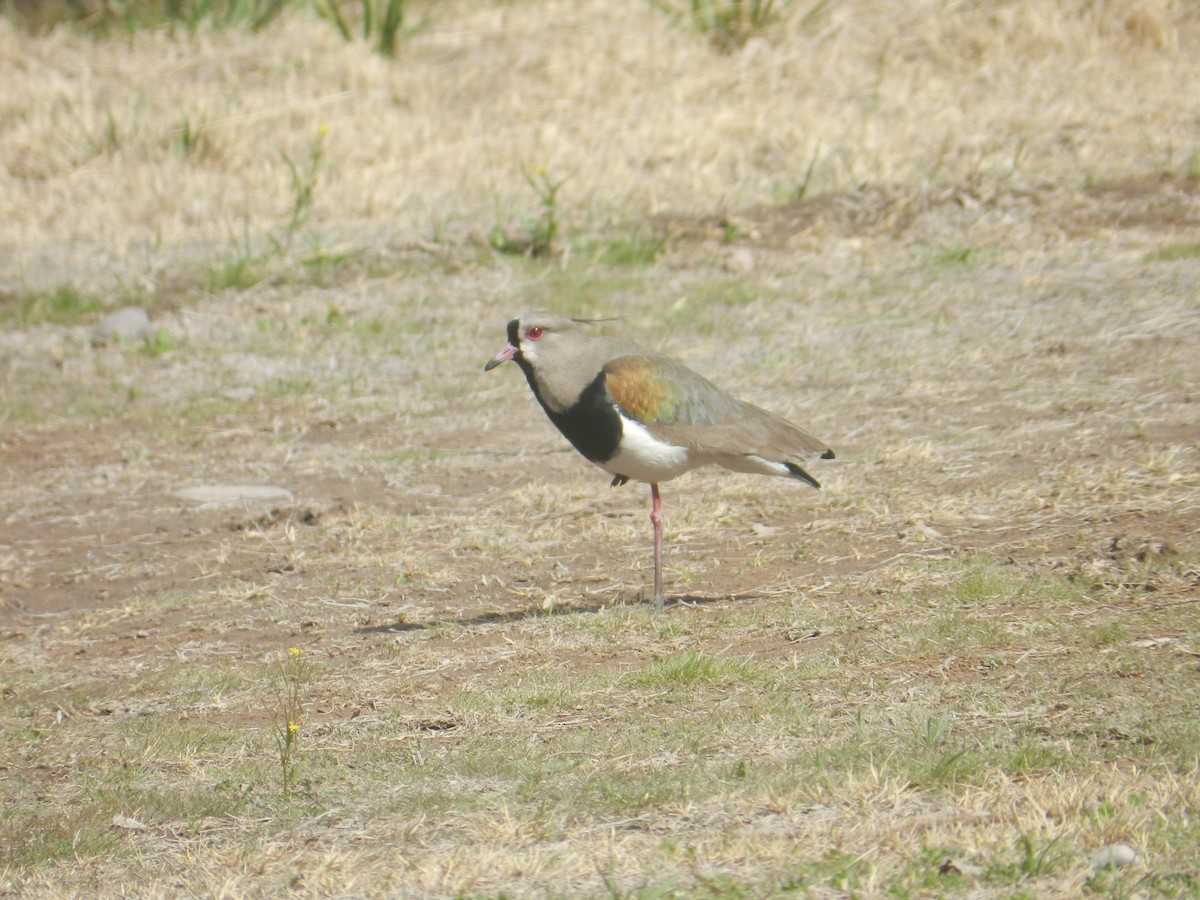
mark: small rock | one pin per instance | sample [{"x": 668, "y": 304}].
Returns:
[
  {"x": 224, "y": 494},
  {"x": 1115, "y": 857},
  {"x": 131, "y": 323}
]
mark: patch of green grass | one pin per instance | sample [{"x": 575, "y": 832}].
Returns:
[
  {"x": 242, "y": 268},
  {"x": 638, "y": 248},
  {"x": 937, "y": 757},
  {"x": 546, "y": 699},
  {"x": 952, "y": 255},
  {"x": 161, "y": 342},
  {"x": 325, "y": 267},
  {"x": 838, "y": 870},
  {"x": 76, "y": 820},
  {"x": 1174, "y": 252},
  {"x": 296, "y": 386},
  {"x": 1033, "y": 757},
  {"x": 731, "y": 295},
  {"x": 1109, "y": 634},
  {"x": 245, "y": 266},
  {"x": 191, "y": 139},
  {"x": 31, "y": 838},
  {"x": 1031, "y": 857},
  {"x": 692, "y": 668},
  {"x": 981, "y": 581},
  {"x": 139, "y": 15},
  {"x": 64, "y": 305},
  {"x": 630, "y": 793}
]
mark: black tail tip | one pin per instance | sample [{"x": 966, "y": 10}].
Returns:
[
  {"x": 828, "y": 454},
  {"x": 798, "y": 472}
]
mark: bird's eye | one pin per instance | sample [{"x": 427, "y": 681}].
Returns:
[{"x": 534, "y": 332}]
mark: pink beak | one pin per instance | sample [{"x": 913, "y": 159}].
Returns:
[{"x": 504, "y": 355}]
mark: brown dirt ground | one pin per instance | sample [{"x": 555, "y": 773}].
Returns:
[{"x": 90, "y": 529}]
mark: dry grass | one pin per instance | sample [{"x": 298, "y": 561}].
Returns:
[
  {"x": 964, "y": 668},
  {"x": 635, "y": 112}
]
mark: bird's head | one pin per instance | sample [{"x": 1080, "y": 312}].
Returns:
[{"x": 532, "y": 336}]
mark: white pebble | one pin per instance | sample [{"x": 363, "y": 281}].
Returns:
[
  {"x": 1116, "y": 856},
  {"x": 132, "y": 323},
  {"x": 223, "y": 494}
]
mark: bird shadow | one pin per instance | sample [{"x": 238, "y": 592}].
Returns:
[{"x": 542, "y": 612}]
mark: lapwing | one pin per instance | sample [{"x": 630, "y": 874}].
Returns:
[{"x": 642, "y": 416}]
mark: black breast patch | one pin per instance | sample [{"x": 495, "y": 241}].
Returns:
[{"x": 592, "y": 424}]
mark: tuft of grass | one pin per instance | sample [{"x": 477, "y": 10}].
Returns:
[
  {"x": 191, "y": 139},
  {"x": 727, "y": 24},
  {"x": 304, "y": 186},
  {"x": 1032, "y": 857},
  {"x": 243, "y": 267},
  {"x": 64, "y": 305},
  {"x": 796, "y": 190},
  {"x": 379, "y": 20},
  {"x": 541, "y": 233},
  {"x": 693, "y": 667}
]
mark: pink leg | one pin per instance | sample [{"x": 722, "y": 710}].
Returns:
[{"x": 656, "y": 519}]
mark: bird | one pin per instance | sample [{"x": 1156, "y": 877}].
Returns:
[{"x": 643, "y": 416}]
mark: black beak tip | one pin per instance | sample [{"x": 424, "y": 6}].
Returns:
[{"x": 491, "y": 364}]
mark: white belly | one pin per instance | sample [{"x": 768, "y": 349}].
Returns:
[{"x": 643, "y": 457}]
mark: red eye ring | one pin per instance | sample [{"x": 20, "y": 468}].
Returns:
[{"x": 534, "y": 332}]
